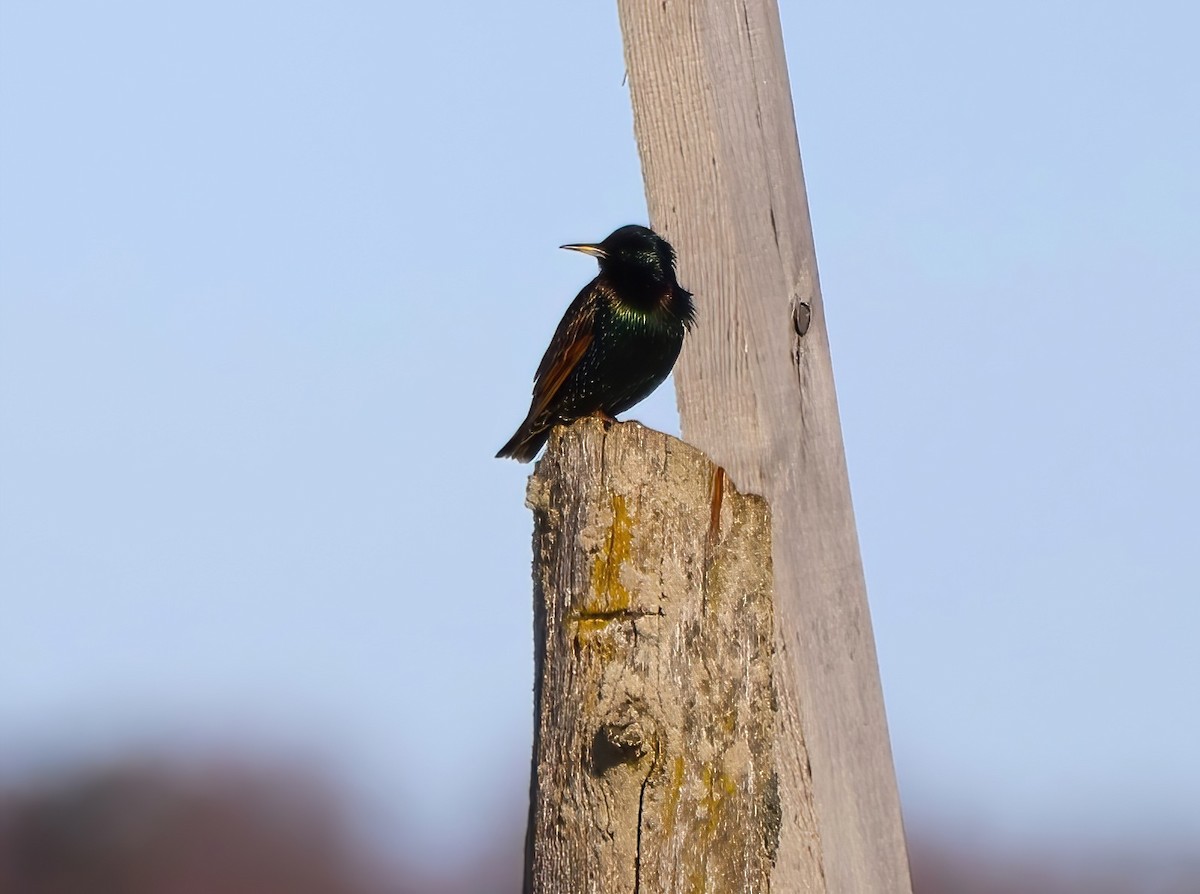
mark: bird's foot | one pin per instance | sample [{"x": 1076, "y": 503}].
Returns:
[{"x": 605, "y": 418}]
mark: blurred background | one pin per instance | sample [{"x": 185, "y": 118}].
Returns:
[{"x": 274, "y": 279}]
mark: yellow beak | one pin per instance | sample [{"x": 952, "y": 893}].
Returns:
[{"x": 594, "y": 250}]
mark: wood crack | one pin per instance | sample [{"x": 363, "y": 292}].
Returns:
[
  {"x": 641, "y": 818},
  {"x": 616, "y": 614}
]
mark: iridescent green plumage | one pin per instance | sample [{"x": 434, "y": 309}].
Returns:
[{"x": 617, "y": 341}]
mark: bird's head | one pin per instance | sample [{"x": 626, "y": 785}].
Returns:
[{"x": 633, "y": 253}]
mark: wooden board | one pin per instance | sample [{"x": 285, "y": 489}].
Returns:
[{"x": 714, "y": 124}]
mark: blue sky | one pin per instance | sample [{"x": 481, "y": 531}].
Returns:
[{"x": 274, "y": 279}]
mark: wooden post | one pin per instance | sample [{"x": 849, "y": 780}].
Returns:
[
  {"x": 720, "y": 157},
  {"x": 655, "y": 766}
]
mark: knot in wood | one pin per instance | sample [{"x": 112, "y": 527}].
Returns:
[
  {"x": 801, "y": 317},
  {"x": 620, "y": 740}
]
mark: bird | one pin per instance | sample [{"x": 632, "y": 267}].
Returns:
[{"x": 616, "y": 342}]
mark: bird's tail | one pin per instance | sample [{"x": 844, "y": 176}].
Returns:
[{"x": 525, "y": 444}]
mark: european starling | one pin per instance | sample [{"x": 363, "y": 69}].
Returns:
[{"x": 617, "y": 341}]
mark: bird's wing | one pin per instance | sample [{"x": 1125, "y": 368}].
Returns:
[{"x": 571, "y": 341}]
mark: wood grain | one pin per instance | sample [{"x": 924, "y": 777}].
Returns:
[
  {"x": 654, "y": 760},
  {"x": 714, "y": 123}
]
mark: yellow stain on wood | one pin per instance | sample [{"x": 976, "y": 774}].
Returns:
[
  {"x": 608, "y": 595},
  {"x": 712, "y": 808},
  {"x": 607, "y": 598},
  {"x": 586, "y": 626},
  {"x": 674, "y": 792},
  {"x": 728, "y": 721},
  {"x": 591, "y": 636}
]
